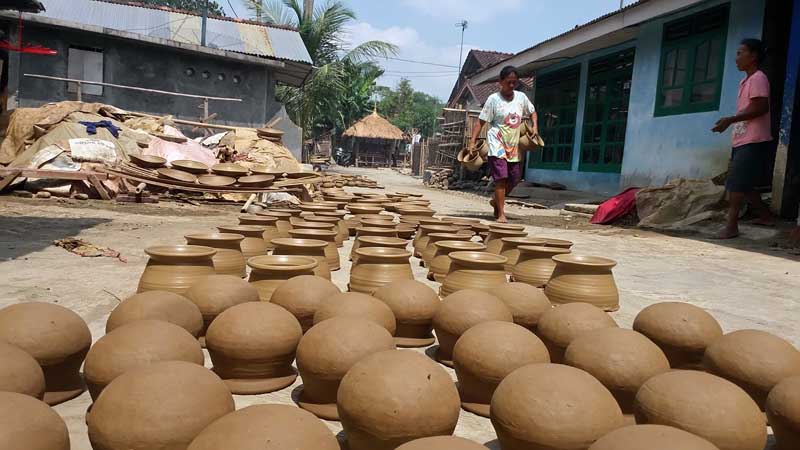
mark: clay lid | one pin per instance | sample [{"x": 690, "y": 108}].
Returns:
[
  {"x": 190, "y": 166},
  {"x": 540, "y": 250},
  {"x": 216, "y": 180},
  {"x": 560, "y": 243},
  {"x": 159, "y": 305},
  {"x": 356, "y": 304},
  {"x": 678, "y": 324},
  {"x": 584, "y": 261},
  {"x": 29, "y": 424},
  {"x": 302, "y": 295},
  {"x": 651, "y": 437},
  {"x": 523, "y": 240},
  {"x": 388, "y": 241},
  {"x": 460, "y": 220},
  {"x": 257, "y": 220},
  {"x": 180, "y": 251},
  {"x": 211, "y": 237},
  {"x": 383, "y": 254},
  {"x": 482, "y": 259},
  {"x": 460, "y": 245},
  {"x": 230, "y": 169},
  {"x": 562, "y": 324},
  {"x": 410, "y": 194},
  {"x": 178, "y": 175},
  {"x": 415, "y": 211},
  {"x": 441, "y": 443},
  {"x": 289, "y": 263},
  {"x": 434, "y": 228},
  {"x": 305, "y": 225},
  {"x": 295, "y": 242},
  {"x": 20, "y": 372},
  {"x": 46, "y": 331},
  {"x": 280, "y": 215},
  {"x": 309, "y": 233},
  {"x": 256, "y": 231}
]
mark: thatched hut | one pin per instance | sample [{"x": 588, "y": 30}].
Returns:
[{"x": 374, "y": 141}]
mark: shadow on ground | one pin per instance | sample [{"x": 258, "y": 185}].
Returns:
[{"x": 21, "y": 235}]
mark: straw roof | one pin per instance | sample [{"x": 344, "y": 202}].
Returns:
[{"x": 374, "y": 126}]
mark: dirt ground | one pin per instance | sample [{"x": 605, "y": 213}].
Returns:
[{"x": 744, "y": 284}]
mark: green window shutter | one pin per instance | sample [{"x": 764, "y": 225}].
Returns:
[{"x": 557, "y": 106}]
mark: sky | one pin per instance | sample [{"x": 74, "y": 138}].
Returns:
[{"x": 426, "y": 30}]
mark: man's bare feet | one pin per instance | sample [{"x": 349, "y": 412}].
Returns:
[
  {"x": 501, "y": 219},
  {"x": 727, "y": 233},
  {"x": 494, "y": 206}
]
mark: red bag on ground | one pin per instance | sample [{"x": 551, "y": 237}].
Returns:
[{"x": 616, "y": 207}]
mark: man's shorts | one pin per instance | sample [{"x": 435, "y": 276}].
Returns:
[
  {"x": 504, "y": 170},
  {"x": 747, "y": 166}
]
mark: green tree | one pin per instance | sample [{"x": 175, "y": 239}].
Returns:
[
  {"x": 194, "y": 6},
  {"x": 409, "y": 109}
]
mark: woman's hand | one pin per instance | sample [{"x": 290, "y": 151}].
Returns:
[{"x": 722, "y": 124}]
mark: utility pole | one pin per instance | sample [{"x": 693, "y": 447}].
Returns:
[
  {"x": 463, "y": 24},
  {"x": 203, "y": 26},
  {"x": 308, "y": 10}
]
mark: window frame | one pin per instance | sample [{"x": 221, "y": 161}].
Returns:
[
  {"x": 563, "y": 76},
  {"x": 87, "y": 89}
]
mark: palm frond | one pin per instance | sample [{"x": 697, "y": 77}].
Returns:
[
  {"x": 370, "y": 50},
  {"x": 274, "y": 11}
]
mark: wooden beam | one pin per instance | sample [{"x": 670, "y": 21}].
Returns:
[{"x": 52, "y": 174}]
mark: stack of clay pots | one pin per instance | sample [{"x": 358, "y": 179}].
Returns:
[
  {"x": 473, "y": 270},
  {"x": 378, "y": 266}
]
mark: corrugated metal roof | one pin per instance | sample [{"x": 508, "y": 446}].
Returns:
[{"x": 254, "y": 39}]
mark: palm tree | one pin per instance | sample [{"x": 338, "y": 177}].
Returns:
[{"x": 326, "y": 100}]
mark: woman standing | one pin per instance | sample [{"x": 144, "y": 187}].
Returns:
[{"x": 504, "y": 111}]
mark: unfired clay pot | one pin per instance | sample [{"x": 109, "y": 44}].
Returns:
[
  {"x": 487, "y": 353},
  {"x": 473, "y": 270},
  {"x": 252, "y": 346},
  {"x": 557, "y": 243},
  {"x": 420, "y": 239},
  {"x": 176, "y": 268},
  {"x": 295, "y": 212},
  {"x": 229, "y": 259},
  {"x": 620, "y": 359},
  {"x": 651, "y": 437},
  {"x": 430, "y": 249},
  {"x": 356, "y": 304},
  {"x": 158, "y": 305},
  {"x": 269, "y": 272},
  {"x": 461, "y": 311},
  {"x": 703, "y": 404},
  {"x": 253, "y": 243},
  {"x": 586, "y": 279},
  {"x": 494, "y": 242},
  {"x": 379, "y": 266},
  {"x": 315, "y": 207},
  {"x": 377, "y": 223},
  {"x": 441, "y": 443},
  {"x": 552, "y": 407},
  {"x": 755, "y": 360},
  {"x": 29, "y": 424},
  {"x": 340, "y": 227},
  {"x": 216, "y": 293},
  {"x": 174, "y": 402},
  {"x": 375, "y": 237},
  {"x": 266, "y": 427},
  {"x": 508, "y": 248},
  {"x": 314, "y": 248},
  {"x": 356, "y": 208},
  {"x": 683, "y": 331},
  {"x": 526, "y": 303},
  {"x": 328, "y": 351},
  {"x": 393, "y": 397},
  {"x": 405, "y": 230},
  {"x": 56, "y": 337},
  {"x": 414, "y": 304},
  {"x": 282, "y": 224},
  {"x": 302, "y": 296},
  {"x": 783, "y": 413},
  {"x": 322, "y": 225},
  {"x": 440, "y": 263},
  {"x": 19, "y": 372},
  {"x": 134, "y": 345},
  {"x": 269, "y": 223},
  {"x": 535, "y": 265},
  {"x": 331, "y": 251},
  {"x": 561, "y": 325}
]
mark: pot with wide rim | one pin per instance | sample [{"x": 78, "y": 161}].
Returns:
[
  {"x": 415, "y": 211},
  {"x": 421, "y": 241},
  {"x": 379, "y": 266},
  {"x": 377, "y": 241},
  {"x": 314, "y": 248},
  {"x": 340, "y": 215},
  {"x": 230, "y": 169},
  {"x": 331, "y": 252},
  {"x": 148, "y": 161},
  {"x": 229, "y": 259},
  {"x": 379, "y": 223},
  {"x": 176, "y": 268},
  {"x": 535, "y": 264},
  {"x": 494, "y": 243},
  {"x": 370, "y": 231},
  {"x": 586, "y": 279},
  {"x": 473, "y": 270},
  {"x": 479, "y": 228},
  {"x": 506, "y": 226},
  {"x": 269, "y": 223},
  {"x": 253, "y": 243},
  {"x": 508, "y": 248},
  {"x": 190, "y": 166},
  {"x": 433, "y": 238},
  {"x": 460, "y": 220},
  {"x": 268, "y": 272},
  {"x": 557, "y": 243},
  {"x": 293, "y": 211},
  {"x": 282, "y": 224},
  {"x": 359, "y": 209},
  {"x": 315, "y": 207},
  {"x": 440, "y": 263},
  {"x": 405, "y": 230},
  {"x": 341, "y": 235}
]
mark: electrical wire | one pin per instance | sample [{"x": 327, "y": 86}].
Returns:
[
  {"x": 420, "y": 62},
  {"x": 232, "y": 9}
]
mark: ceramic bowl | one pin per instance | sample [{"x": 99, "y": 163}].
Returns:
[
  {"x": 190, "y": 166},
  {"x": 256, "y": 180},
  {"x": 177, "y": 175},
  {"x": 148, "y": 161},
  {"x": 230, "y": 170},
  {"x": 215, "y": 180}
]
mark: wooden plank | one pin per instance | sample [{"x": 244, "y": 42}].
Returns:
[
  {"x": 98, "y": 186},
  {"x": 52, "y": 174}
]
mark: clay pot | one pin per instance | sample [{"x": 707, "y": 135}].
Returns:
[
  {"x": 370, "y": 232},
  {"x": 414, "y": 304},
  {"x": 487, "y": 353},
  {"x": 264, "y": 427},
  {"x": 176, "y": 268},
  {"x": 405, "y": 230},
  {"x": 651, "y": 437},
  {"x": 316, "y": 207},
  {"x": 302, "y": 296},
  {"x": 586, "y": 279},
  {"x": 20, "y": 373},
  {"x": 356, "y": 304},
  {"x": 561, "y": 325},
  {"x": 293, "y": 211},
  {"x": 269, "y": 272},
  {"x": 216, "y": 293},
  {"x": 620, "y": 359},
  {"x": 461, "y": 311},
  {"x": 441, "y": 443},
  {"x": 29, "y": 424},
  {"x": 705, "y": 405},
  {"x": 252, "y": 346},
  {"x": 473, "y": 270},
  {"x": 754, "y": 360},
  {"x": 783, "y": 413},
  {"x": 535, "y": 265},
  {"x": 508, "y": 248},
  {"x": 440, "y": 262},
  {"x": 494, "y": 241},
  {"x": 379, "y": 241},
  {"x": 506, "y": 226},
  {"x": 313, "y": 248},
  {"x": 157, "y": 305},
  {"x": 393, "y": 397},
  {"x": 379, "y": 266},
  {"x": 377, "y": 223},
  {"x": 433, "y": 238},
  {"x": 526, "y": 303},
  {"x": 307, "y": 225},
  {"x": 331, "y": 252},
  {"x": 683, "y": 331},
  {"x": 479, "y": 228},
  {"x": 269, "y": 223},
  {"x": 56, "y": 337},
  {"x": 253, "y": 243},
  {"x": 134, "y": 345},
  {"x": 357, "y": 209},
  {"x": 341, "y": 226},
  {"x": 175, "y": 401},
  {"x": 327, "y": 352},
  {"x": 557, "y": 243},
  {"x": 421, "y": 240},
  {"x": 229, "y": 259},
  {"x": 282, "y": 224},
  {"x": 552, "y": 407}
]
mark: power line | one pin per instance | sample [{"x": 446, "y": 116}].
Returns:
[
  {"x": 232, "y": 9},
  {"x": 424, "y": 73},
  {"x": 420, "y": 62}
]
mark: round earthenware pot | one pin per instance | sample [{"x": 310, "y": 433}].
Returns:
[
  {"x": 783, "y": 413},
  {"x": 342, "y": 234},
  {"x": 440, "y": 262},
  {"x": 253, "y": 243},
  {"x": 269, "y": 223},
  {"x": 586, "y": 279},
  {"x": 506, "y": 226},
  {"x": 473, "y": 270},
  {"x": 494, "y": 241},
  {"x": 331, "y": 253},
  {"x": 377, "y": 223},
  {"x": 558, "y": 243},
  {"x": 314, "y": 248},
  {"x": 535, "y": 264},
  {"x": 283, "y": 224},
  {"x": 21, "y": 373},
  {"x": 415, "y": 211},
  {"x": 359, "y": 208},
  {"x": 433, "y": 238},
  {"x": 559, "y": 327},
  {"x": 29, "y": 424},
  {"x": 302, "y": 296},
  {"x": 229, "y": 259},
  {"x": 158, "y": 305},
  {"x": 378, "y": 241},
  {"x": 405, "y": 230},
  {"x": 379, "y": 266},
  {"x": 480, "y": 229},
  {"x": 344, "y": 228},
  {"x": 421, "y": 240},
  {"x": 315, "y": 207},
  {"x": 268, "y": 272},
  {"x": 508, "y": 248},
  {"x": 214, "y": 294},
  {"x": 414, "y": 304},
  {"x": 176, "y": 268},
  {"x": 370, "y": 231}
]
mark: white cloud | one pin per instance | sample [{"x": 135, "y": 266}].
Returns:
[
  {"x": 477, "y": 11},
  {"x": 399, "y": 36}
]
